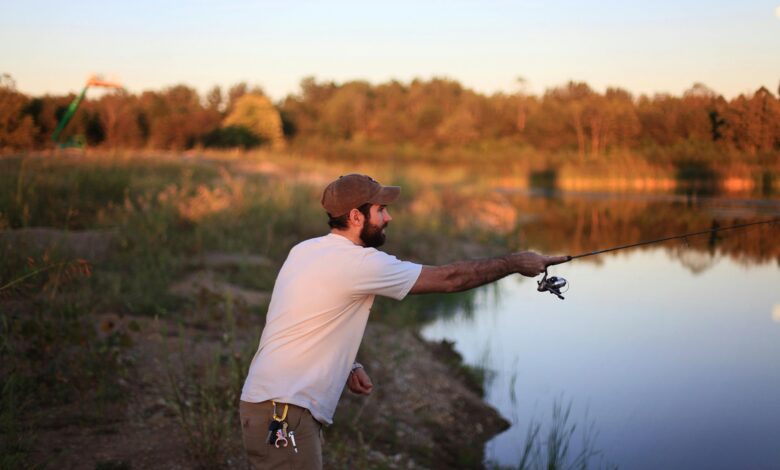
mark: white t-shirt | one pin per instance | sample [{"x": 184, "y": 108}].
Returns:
[{"x": 316, "y": 319}]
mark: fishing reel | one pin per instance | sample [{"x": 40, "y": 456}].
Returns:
[{"x": 552, "y": 284}]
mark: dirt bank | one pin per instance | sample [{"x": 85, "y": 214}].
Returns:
[
  {"x": 425, "y": 410},
  {"x": 423, "y": 414}
]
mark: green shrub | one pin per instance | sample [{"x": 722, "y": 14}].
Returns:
[{"x": 233, "y": 137}]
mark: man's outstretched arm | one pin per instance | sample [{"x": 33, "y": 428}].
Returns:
[{"x": 464, "y": 275}]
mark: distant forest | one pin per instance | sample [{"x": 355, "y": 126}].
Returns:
[{"x": 427, "y": 115}]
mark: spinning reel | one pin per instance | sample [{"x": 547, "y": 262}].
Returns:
[{"x": 552, "y": 284}]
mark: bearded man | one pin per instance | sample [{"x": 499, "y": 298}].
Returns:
[{"x": 318, "y": 313}]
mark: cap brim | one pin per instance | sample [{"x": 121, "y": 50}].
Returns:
[{"x": 386, "y": 195}]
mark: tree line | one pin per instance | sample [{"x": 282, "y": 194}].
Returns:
[{"x": 431, "y": 114}]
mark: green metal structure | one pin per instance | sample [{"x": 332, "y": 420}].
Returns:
[{"x": 78, "y": 141}]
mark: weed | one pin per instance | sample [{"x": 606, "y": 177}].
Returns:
[
  {"x": 554, "y": 450},
  {"x": 204, "y": 397}
]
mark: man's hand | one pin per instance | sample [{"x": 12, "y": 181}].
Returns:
[
  {"x": 532, "y": 264},
  {"x": 359, "y": 382}
]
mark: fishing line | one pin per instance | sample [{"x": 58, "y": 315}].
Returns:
[{"x": 554, "y": 284}]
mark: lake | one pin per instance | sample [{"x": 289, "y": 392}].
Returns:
[{"x": 668, "y": 355}]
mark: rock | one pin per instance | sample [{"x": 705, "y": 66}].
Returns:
[
  {"x": 219, "y": 260},
  {"x": 207, "y": 281}
]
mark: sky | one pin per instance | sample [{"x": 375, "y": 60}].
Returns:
[{"x": 645, "y": 47}]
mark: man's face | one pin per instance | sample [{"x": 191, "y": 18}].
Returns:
[{"x": 373, "y": 232}]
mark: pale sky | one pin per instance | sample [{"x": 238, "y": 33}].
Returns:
[{"x": 645, "y": 47}]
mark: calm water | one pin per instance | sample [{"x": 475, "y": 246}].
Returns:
[{"x": 671, "y": 354}]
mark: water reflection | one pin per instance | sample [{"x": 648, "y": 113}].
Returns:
[
  {"x": 574, "y": 223},
  {"x": 676, "y": 369}
]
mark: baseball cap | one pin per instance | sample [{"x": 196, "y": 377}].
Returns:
[{"x": 352, "y": 191}]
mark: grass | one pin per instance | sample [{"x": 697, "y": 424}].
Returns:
[
  {"x": 204, "y": 404},
  {"x": 81, "y": 193},
  {"x": 554, "y": 448}
]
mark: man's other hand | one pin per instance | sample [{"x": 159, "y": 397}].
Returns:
[{"x": 359, "y": 382}]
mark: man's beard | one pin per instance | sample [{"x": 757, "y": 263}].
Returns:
[{"x": 371, "y": 235}]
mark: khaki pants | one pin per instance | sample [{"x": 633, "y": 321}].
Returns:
[{"x": 255, "y": 419}]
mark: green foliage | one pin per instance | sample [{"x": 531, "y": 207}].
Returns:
[
  {"x": 232, "y": 137},
  {"x": 256, "y": 113}
]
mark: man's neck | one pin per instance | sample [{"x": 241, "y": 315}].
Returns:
[{"x": 350, "y": 235}]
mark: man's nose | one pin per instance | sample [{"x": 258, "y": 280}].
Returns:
[{"x": 388, "y": 218}]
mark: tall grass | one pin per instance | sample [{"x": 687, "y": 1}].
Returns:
[
  {"x": 554, "y": 449},
  {"x": 204, "y": 395}
]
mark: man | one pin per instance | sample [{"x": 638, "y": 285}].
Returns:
[{"x": 318, "y": 313}]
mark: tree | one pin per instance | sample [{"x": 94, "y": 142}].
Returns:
[
  {"x": 388, "y": 121},
  {"x": 174, "y": 119},
  {"x": 345, "y": 114},
  {"x": 303, "y": 111},
  {"x": 255, "y": 112},
  {"x": 694, "y": 119},
  {"x": 120, "y": 116},
  {"x": 17, "y": 130},
  {"x": 214, "y": 100},
  {"x": 621, "y": 120},
  {"x": 753, "y": 124}
]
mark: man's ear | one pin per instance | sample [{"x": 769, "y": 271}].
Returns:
[{"x": 356, "y": 217}]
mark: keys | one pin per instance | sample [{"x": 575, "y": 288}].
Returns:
[
  {"x": 272, "y": 431},
  {"x": 277, "y": 430}
]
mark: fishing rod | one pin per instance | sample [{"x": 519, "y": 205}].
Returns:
[{"x": 554, "y": 284}]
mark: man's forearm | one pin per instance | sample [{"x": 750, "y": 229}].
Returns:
[{"x": 464, "y": 275}]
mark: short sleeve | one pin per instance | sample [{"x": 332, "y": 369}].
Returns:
[{"x": 381, "y": 274}]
